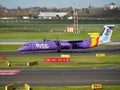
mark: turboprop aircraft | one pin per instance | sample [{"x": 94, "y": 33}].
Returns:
[{"x": 69, "y": 44}]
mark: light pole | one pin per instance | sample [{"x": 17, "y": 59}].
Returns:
[{"x": 75, "y": 16}]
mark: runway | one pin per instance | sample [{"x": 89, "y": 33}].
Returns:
[
  {"x": 92, "y": 51},
  {"x": 64, "y": 77}
]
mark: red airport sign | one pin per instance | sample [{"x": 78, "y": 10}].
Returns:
[
  {"x": 57, "y": 59},
  {"x": 2, "y": 57}
]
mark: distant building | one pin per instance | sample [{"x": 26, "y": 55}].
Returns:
[
  {"x": 69, "y": 18},
  {"x": 26, "y": 17},
  {"x": 7, "y": 18},
  {"x": 52, "y": 15},
  {"x": 112, "y": 6}
]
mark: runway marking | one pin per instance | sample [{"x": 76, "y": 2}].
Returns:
[
  {"x": 114, "y": 67},
  {"x": 9, "y": 72}
]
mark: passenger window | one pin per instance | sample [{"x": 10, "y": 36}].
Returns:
[{"x": 26, "y": 44}]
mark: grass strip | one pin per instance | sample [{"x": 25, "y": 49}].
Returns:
[
  {"x": 67, "y": 88},
  {"x": 75, "y": 62},
  {"x": 51, "y": 32}
]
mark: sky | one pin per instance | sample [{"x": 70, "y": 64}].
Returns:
[{"x": 56, "y": 3}]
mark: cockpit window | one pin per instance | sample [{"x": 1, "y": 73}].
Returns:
[{"x": 26, "y": 44}]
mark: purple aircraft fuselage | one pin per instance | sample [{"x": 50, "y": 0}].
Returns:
[
  {"x": 69, "y": 44},
  {"x": 54, "y": 45}
]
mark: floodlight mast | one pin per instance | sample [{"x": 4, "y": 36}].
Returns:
[{"x": 75, "y": 14}]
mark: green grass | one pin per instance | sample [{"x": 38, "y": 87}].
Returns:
[
  {"x": 74, "y": 88},
  {"x": 9, "y": 47},
  {"x": 40, "y": 36},
  {"x": 68, "y": 88},
  {"x": 75, "y": 62},
  {"x": 50, "y": 31}
]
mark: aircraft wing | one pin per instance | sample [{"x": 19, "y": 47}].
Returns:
[{"x": 74, "y": 41}]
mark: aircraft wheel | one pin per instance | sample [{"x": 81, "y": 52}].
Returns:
[{"x": 59, "y": 50}]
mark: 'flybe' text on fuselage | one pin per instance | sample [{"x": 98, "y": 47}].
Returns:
[{"x": 42, "y": 46}]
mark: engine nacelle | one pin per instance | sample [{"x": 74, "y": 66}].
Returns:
[{"x": 65, "y": 45}]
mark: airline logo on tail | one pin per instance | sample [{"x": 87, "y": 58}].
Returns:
[
  {"x": 108, "y": 32},
  {"x": 106, "y": 36}
]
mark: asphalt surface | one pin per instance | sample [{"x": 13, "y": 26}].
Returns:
[
  {"x": 92, "y": 51},
  {"x": 64, "y": 77}
]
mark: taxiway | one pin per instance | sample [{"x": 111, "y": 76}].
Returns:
[{"x": 64, "y": 77}]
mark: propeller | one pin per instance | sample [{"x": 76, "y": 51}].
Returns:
[
  {"x": 57, "y": 41},
  {"x": 44, "y": 39},
  {"x": 58, "y": 45}
]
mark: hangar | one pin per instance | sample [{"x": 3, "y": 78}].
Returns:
[{"x": 52, "y": 15}]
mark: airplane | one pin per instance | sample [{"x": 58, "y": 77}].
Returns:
[{"x": 69, "y": 44}]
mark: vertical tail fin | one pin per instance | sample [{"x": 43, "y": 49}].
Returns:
[{"x": 106, "y": 35}]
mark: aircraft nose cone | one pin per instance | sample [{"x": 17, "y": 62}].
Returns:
[{"x": 20, "y": 49}]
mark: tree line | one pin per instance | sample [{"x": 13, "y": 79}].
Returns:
[{"x": 90, "y": 12}]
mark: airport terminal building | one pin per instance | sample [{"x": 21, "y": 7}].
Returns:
[{"x": 52, "y": 15}]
